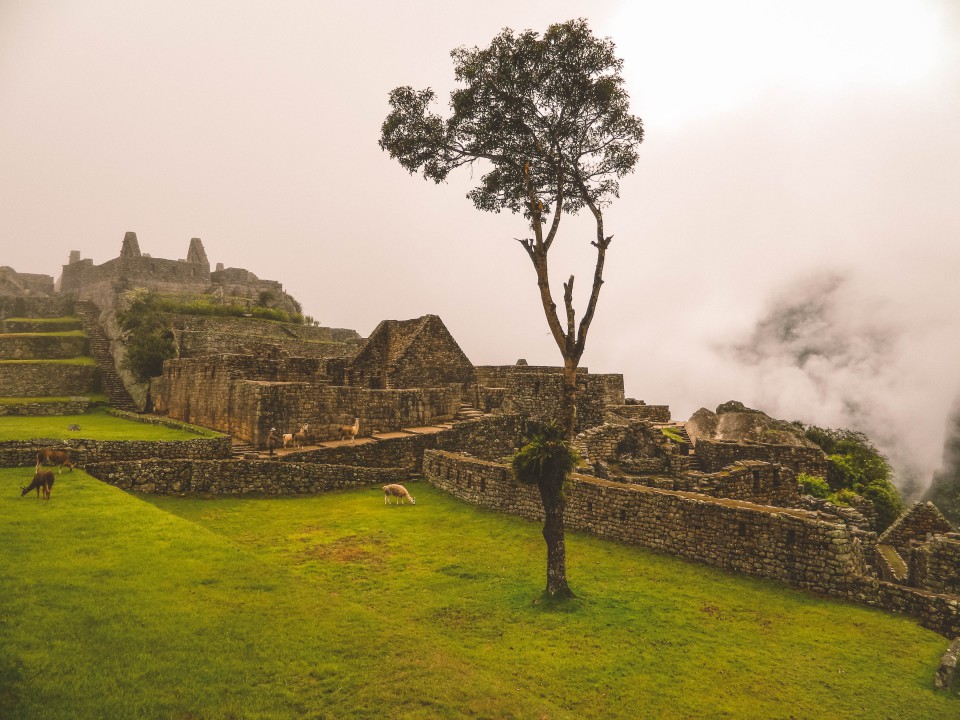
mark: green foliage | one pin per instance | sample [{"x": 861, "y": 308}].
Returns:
[
  {"x": 548, "y": 115},
  {"x": 546, "y": 460},
  {"x": 673, "y": 435},
  {"x": 855, "y": 466},
  {"x": 334, "y": 605},
  {"x": 813, "y": 485},
  {"x": 144, "y": 317}
]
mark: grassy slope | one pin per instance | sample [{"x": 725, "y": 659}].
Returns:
[
  {"x": 94, "y": 425},
  {"x": 336, "y": 606},
  {"x": 83, "y": 360}
]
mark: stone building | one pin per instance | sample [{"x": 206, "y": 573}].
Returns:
[
  {"x": 101, "y": 284},
  {"x": 409, "y": 353}
]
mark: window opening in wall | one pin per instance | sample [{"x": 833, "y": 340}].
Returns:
[
  {"x": 756, "y": 481},
  {"x": 623, "y": 515},
  {"x": 776, "y": 477},
  {"x": 589, "y": 506},
  {"x": 483, "y": 485},
  {"x": 742, "y": 529},
  {"x": 791, "y": 537},
  {"x": 536, "y": 387}
]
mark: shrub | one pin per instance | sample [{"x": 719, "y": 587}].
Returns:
[{"x": 813, "y": 485}]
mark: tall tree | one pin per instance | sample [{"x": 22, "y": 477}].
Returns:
[{"x": 547, "y": 120}]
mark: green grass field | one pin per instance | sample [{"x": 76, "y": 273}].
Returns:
[
  {"x": 83, "y": 360},
  {"x": 97, "y": 424},
  {"x": 335, "y": 606}
]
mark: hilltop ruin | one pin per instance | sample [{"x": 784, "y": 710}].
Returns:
[{"x": 425, "y": 409}]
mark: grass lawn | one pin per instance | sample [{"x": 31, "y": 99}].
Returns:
[
  {"x": 83, "y": 360},
  {"x": 58, "y": 333},
  {"x": 94, "y": 425},
  {"x": 335, "y": 606},
  {"x": 16, "y": 400}
]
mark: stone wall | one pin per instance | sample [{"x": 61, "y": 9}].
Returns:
[
  {"x": 21, "y": 346},
  {"x": 790, "y": 545},
  {"x": 793, "y": 546},
  {"x": 539, "y": 396},
  {"x": 491, "y": 438},
  {"x": 237, "y": 477},
  {"x": 935, "y": 564},
  {"x": 247, "y": 395},
  {"x": 199, "y": 335},
  {"x": 35, "y": 307},
  {"x": 717, "y": 454},
  {"x": 38, "y": 408},
  {"x": 750, "y": 480},
  {"x": 919, "y": 521},
  {"x": 24, "y": 284},
  {"x": 642, "y": 411},
  {"x": 19, "y": 453},
  {"x": 33, "y": 379}
]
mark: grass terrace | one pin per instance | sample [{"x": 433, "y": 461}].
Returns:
[
  {"x": 336, "y": 606},
  {"x": 98, "y": 424},
  {"x": 61, "y": 361}
]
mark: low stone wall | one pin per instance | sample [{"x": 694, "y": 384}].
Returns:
[
  {"x": 935, "y": 564},
  {"x": 46, "y": 347},
  {"x": 790, "y": 545},
  {"x": 920, "y": 521},
  {"x": 751, "y": 480},
  {"x": 35, "y": 307},
  {"x": 33, "y": 379},
  {"x": 237, "y": 477},
  {"x": 40, "y": 325},
  {"x": 642, "y": 411},
  {"x": 19, "y": 453},
  {"x": 794, "y": 546},
  {"x": 73, "y": 406},
  {"x": 717, "y": 454},
  {"x": 539, "y": 396},
  {"x": 490, "y": 437},
  {"x": 194, "y": 343}
]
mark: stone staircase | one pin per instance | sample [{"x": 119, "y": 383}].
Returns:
[
  {"x": 468, "y": 412},
  {"x": 113, "y": 386}
]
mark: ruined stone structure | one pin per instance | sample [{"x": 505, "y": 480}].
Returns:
[
  {"x": 101, "y": 284},
  {"x": 14, "y": 284},
  {"x": 409, "y": 353},
  {"x": 682, "y": 488}
]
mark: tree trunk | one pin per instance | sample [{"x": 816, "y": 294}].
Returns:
[
  {"x": 553, "y": 506},
  {"x": 569, "y": 402}
]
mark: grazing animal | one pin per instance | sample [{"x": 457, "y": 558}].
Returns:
[
  {"x": 73, "y": 427},
  {"x": 349, "y": 431},
  {"x": 287, "y": 439},
  {"x": 52, "y": 456},
  {"x": 300, "y": 437},
  {"x": 43, "y": 480},
  {"x": 399, "y": 492}
]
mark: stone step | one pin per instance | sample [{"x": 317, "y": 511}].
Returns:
[{"x": 113, "y": 385}]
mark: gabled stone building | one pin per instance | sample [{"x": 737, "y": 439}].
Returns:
[{"x": 410, "y": 353}]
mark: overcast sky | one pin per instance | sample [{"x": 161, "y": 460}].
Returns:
[{"x": 789, "y": 238}]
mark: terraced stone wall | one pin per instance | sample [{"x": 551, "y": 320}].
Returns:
[
  {"x": 35, "y": 307},
  {"x": 237, "y": 477},
  {"x": 492, "y": 438},
  {"x": 37, "y": 408},
  {"x": 33, "y": 379},
  {"x": 642, "y": 411},
  {"x": 47, "y": 347},
  {"x": 20, "y": 453},
  {"x": 539, "y": 396},
  {"x": 790, "y": 545},
  {"x": 717, "y": 454}
]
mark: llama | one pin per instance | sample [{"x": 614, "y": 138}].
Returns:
[
  {"x": 54, "y": 457},
  {"x": 43, "y": 480},
  {"x": 287, "y": 440},
  {"x": 349, "y": 431},
  {"x": 300, "y": 437},
  {"x": 399, "y": 492}
]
